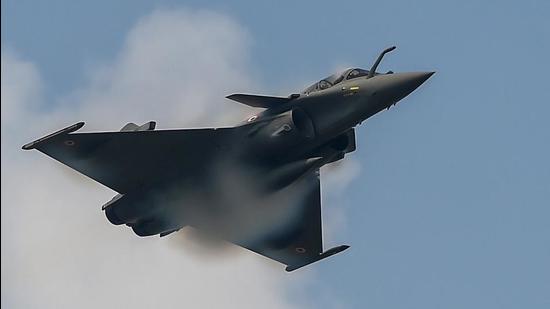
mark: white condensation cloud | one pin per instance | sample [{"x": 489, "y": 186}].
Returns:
[
  {"x": 58, "y": 249},
  {"x": 336, "y": 177}
]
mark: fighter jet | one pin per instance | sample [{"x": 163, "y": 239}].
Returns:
[{"x": 255, "y": 184}]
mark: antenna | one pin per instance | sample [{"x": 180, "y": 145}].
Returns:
[{"x": 375, "y": 65}]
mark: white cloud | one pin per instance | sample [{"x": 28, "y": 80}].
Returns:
[
  {"x": 336, "y": 177},
  {"x": 340, "y": 174},
  {"x": 175, "y": 67},
  {"x": 58, "y": 249},
  {"x": 21, "y": 89}
]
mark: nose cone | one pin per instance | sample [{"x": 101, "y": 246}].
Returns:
[
  {"x": 408, "y": 82},
  {"x": 391, "y": 88}
]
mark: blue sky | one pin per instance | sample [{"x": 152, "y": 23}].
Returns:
[{"x": 451, "y": 207}]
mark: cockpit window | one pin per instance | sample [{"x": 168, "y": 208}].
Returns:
[
  {"x": 357, "y": 73},
  {"x": 324, "y": 85},
  {"x": 335, "y": 79},
  {"x": 339, "y": 79}
]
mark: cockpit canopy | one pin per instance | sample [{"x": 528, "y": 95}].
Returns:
[{"x": 337, "y": 78}]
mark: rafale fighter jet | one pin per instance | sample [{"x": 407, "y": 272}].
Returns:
[{"x": 256, "y": 184}]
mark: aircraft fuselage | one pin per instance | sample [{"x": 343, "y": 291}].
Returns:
[{"x": 274, "y": 148}]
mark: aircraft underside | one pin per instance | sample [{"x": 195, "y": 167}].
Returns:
[{"x": 256, "y": 184}]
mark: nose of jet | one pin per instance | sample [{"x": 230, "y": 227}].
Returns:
[
  {"x": 394, "y": 87},
  {"x": 408, "y": 82}
]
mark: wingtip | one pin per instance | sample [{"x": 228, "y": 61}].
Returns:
[
  {"x": 322, "y": 256},
  {"x": 66, "y": 130},
  {"x": 28, "y": 146}
]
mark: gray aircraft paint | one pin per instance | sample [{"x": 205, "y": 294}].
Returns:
[{"x": 256, "y": 184}]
